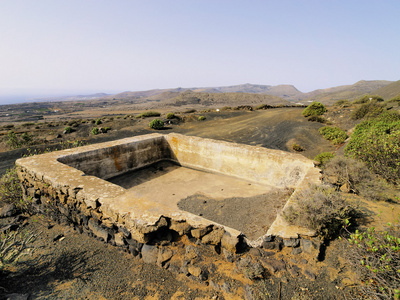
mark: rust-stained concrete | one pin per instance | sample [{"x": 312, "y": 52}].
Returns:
[{"x": 81, "y": 173}]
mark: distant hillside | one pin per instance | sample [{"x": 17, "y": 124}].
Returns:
[
  {"x": 288, "y": 92},
  {"x": 389, "y": 91},
  {"x": 223, "y": 99},
  {"x": 349, "y": 92}
]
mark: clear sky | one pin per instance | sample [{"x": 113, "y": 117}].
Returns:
[{"x": 119, "y": 45}]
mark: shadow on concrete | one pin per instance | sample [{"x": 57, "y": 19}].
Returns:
[{"x": 133, "y": 178}]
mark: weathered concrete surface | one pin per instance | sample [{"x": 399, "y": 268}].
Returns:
[{"x": 73, "y": 181}]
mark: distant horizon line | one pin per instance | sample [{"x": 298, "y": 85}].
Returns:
[{"x": 26, "y": 95}]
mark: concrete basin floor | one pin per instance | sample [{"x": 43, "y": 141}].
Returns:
[{"x": 236, "y": 203}]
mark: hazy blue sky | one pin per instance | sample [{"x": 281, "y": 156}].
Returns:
[{"x": 113, "y": 46}]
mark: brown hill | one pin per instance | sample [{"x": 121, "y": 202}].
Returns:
[
  {"x": 223, "y": 99},
  {"x": 349, "y": 92},
  {"x": 389, "y": 91}
]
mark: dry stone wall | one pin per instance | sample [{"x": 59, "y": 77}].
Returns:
[{"x": 69, "y": 187}]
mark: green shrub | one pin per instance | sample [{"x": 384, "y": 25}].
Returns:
[
  {"x": 98, "y": 122},
  {"x": 319, "y": 208},
  {"x": 377, "y": 143},
  {"x": 394, "y": 100},
  {"x": 375, "y": 258},
  {"x": 342, "y": 103},
  {"x": 263, "y": 106},
  {"x": 170, "y": 116},
  {"x": 202, "y": 118},
  {"x": 334, "y": 134},
  {"x": 148, "y": 114},
  {"x": 107, "y": 129},
  {"x": 26, "y": 138},
  {"x": 317, "y": 119},
  {"x": 27, "y": 124},
  {"x": 370, "y": 109},
  {"x": 10, "y": 188},
  {"x": 354, "y": 176},
  {"x": 314, "y": 109},
  {"x": 13, "y": 141},
  {"x": 95, "y": 131},
  {"x": 68, "y": 129},
  {"x": 156, "y": 124},
  {"x": 189, "y": 111},
  {"x": 368, "y": 98},
  {"x": 324, "y": 157},
  {"x": 297, "y": 147}
]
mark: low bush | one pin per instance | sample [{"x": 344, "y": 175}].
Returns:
[
  {"x": 334, "y": 134},
  {"x": 324, "y": 157},
  {"x": 98, "y": 122},
  {"x": 394, "y": 100},
  {"x": 10, "y": 188},
  {"x": 375, "y": 258},
  {"x": 367, "y": 110},
  {"x": 156, "y": 124},
  {"x": 201, "y": 118},
  {"x": 368, "y": 98},
  {"x": 342, "y": 103},
  {"x": 13, "y": 142},
  {"x": 68, "y": 129},
  {"x": 377, "y": 143},
  {"x": 148, "y": 114},
  {"x": 170, "y": 116},
  {"x": 95, "y": 131},
  {"x": 263, "y": 106},
  {"x": 314, "y": 109},
  {"x": 355, "y": 177},
  {"x": 320, "y": 208},
  {"x": 317, "y": 119},
  {"x": 14, "y": 245},
  {"x": 17, "y": 141},
  {"x": 189, "y": 111},
  {"x": 297, "y": 147}
]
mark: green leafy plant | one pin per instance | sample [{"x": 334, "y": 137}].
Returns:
[
  {"x": 368, "y": 98},
  {"x": 377, "y": 143},
  {"x": 320, "y": 208},
  {"x": 170, "y": 116},
  {"x": 68, "y": 129},
  {"x": 317, "y": 119},
  {"x": 333, "y": 134},
  {"x": 13, "y": 141},
  {"x": 324, "y": 157},
  {"x": 148, "y": 114},
  {"x": 375, "y": 257},
  {"x": 98, "y": 122},
  {"x": 202, "y": 118},
  {"x": 156, "y": 124},
  {"x": 95, "y": 131},
  {"x": 342, "y": 103},
  {"x": 314, "y": 109},
  {"x": 369, "y": 109},
  {"x": 297, "y": 147}
]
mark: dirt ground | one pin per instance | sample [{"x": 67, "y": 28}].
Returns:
[
  {"x": 251, "y": 215},
  {"x": 70, "y": 265}
]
